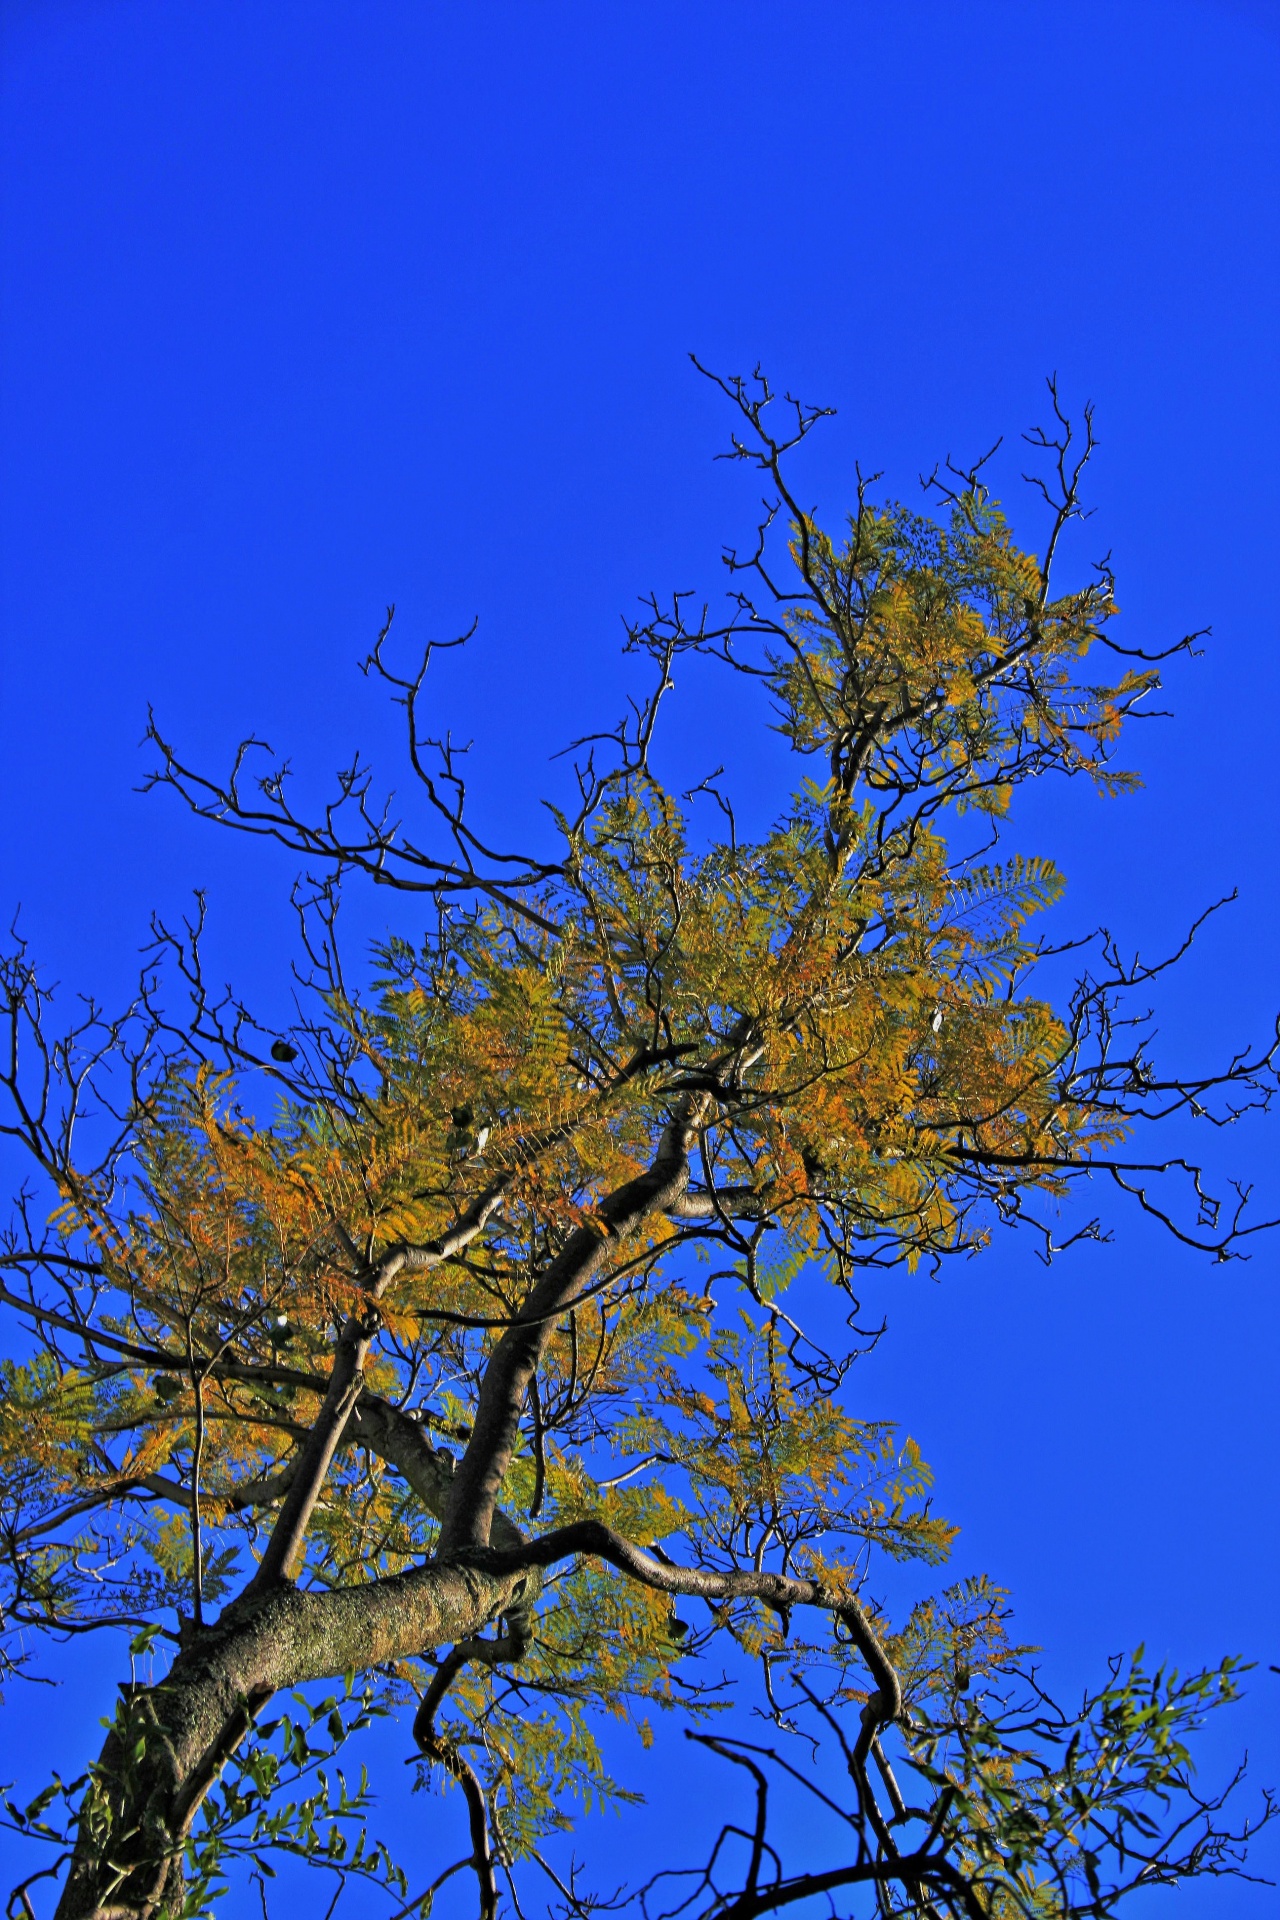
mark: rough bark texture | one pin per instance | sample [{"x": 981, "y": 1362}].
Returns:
[
  {"x": 195, "y": 1719},
  {"x": 193, "y": 1723}
]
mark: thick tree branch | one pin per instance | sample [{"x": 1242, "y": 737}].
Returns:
[
  {"x": 346, "y": 1383},
  {"x": 515, "y": 1358}
]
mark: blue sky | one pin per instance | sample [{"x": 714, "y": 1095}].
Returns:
[{"x": 309, "y": 308}]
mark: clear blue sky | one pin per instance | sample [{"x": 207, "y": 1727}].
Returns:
[{"x": 310, "y": 307}]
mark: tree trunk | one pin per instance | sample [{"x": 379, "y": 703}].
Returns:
[{"x": 171, "y": 1741}]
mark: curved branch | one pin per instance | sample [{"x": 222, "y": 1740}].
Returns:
[{"x": 778, "y": 1590}]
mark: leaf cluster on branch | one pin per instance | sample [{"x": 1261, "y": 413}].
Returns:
[{"x": 453, "y": 1339}]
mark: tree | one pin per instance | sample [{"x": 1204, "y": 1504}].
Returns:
[{"x": 441, "y": 1345}]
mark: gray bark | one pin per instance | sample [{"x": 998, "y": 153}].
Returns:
[{"x": 192, "y": 1722}]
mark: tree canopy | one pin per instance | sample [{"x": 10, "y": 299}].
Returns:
[{"x": 437, "y": 1349}]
